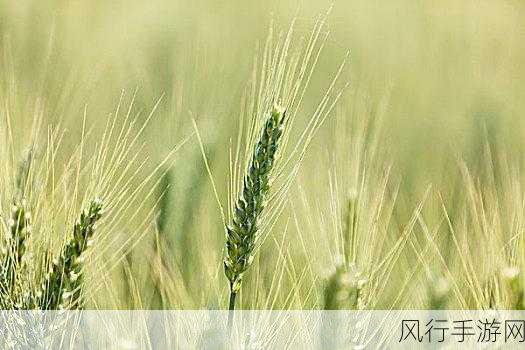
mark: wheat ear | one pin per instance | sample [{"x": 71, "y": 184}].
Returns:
[
  {"x": 62, "y": 288},
  {"x": 344, "y": 289},
  {"x": 512, "y": 277},
  {"x": 242, "y": 232}
]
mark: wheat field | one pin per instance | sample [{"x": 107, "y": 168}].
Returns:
[{"x": 176, "y": 155}]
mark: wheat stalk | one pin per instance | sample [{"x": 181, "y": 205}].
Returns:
[{"x": 242, "y": 232}]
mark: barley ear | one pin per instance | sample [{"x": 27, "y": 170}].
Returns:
[{"x": 242, "y": 232}]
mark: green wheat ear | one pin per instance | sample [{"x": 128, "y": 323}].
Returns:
[
  {"x": 62, "y": 287},
  {"x": 438, "y": 293},
  {"x": 344, "y": 289},
  {"x": 512, "y": 276},
  {"x": 13, "y": 260},
  {"x": 242, "y": 232}
]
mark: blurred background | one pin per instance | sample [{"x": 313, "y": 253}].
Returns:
[{"x": 450, "y": 66}]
